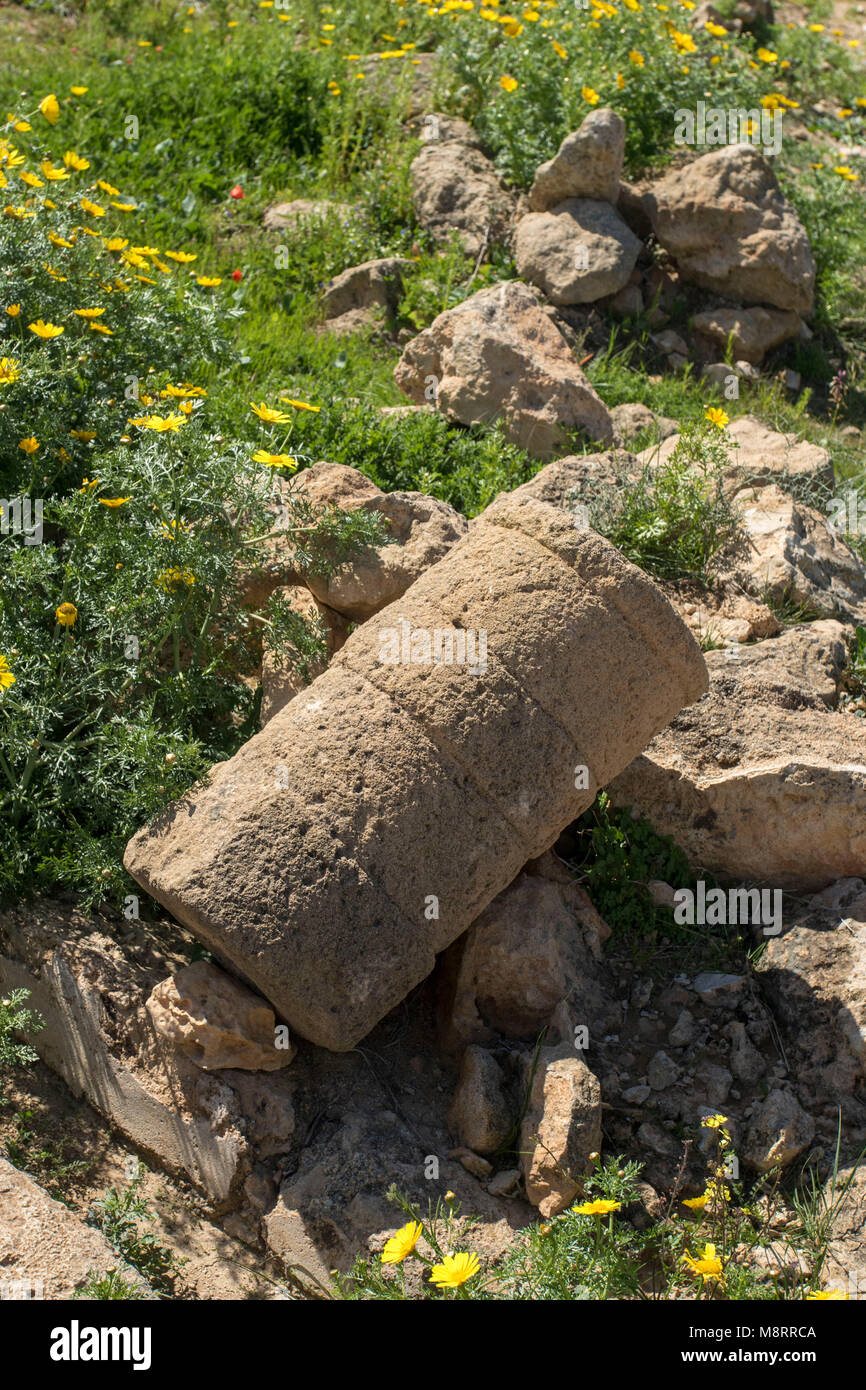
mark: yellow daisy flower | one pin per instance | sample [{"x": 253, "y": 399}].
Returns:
[
  {"x": 50, "y": 108},
  {"x": 402, "y": 1244},
  {"x": 455, "y": 1270},
  {"x": 269, "y": 414},
  {"x": 45, "y": 330},
  {"x": 66, "y": 614}
]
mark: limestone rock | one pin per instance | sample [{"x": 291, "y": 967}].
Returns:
[
  {"x": 779, "y": 1130},
  {"x": 89, "y": 978},
  {"x": 373, "y": 283},
  {"x": 216, "y": 1020},
  {"x": 588, "y": 163},
  {"x": 726, "y": 223},
  {"x": 633, "y": 417},
  {"x": 499, "y": 356},
  {"x": 45, "y": 1250},
  {"x": 815, "y": 978},
  {"x": 751, "y": 332},
  {"x": 568, "y": 482},
  {"x": 579, "y": 251},
  {"x": 724, "y": 615},
  {"x": 760, "y": 779},
  {"x": 480, "y": 1114},
  {"x": 304, "y": 212},
  {"x": 421, "y": 530},
  {"x": 845, "y": 1196},
  {"x": 538, "y": 943},
  {"x": 760, "y": 455},
  {"x": 455, "y": 188},
  {"x": 561, "y": 1128},
  {"x": 299, "y": 859},
  {"x": 794, "y": 555}
]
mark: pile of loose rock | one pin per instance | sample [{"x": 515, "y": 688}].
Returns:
[{"x": 717, "y": 230}]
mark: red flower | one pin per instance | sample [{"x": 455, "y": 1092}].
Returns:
[
  {"x": 237, "y": 275},
  {"x": 237, "y": 191}
]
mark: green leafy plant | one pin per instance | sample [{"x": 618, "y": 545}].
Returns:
[
  {"x": 675, "y": 519},
  {"x": 113, "y": 1284},
  {"x": 15, "y": 1017},
  {"x": 119, "y": 1215}
]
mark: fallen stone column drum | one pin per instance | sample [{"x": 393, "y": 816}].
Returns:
[{"x": 377, "y": 815}]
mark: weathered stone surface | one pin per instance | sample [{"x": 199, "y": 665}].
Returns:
[
  {"x": 421, "y": 530},
  {"x": 45, "y": 1250},
  {"x": 299, "y": 858},
  {"x": 760, "y": 779},
  {"x": 455, "y": 188},
  {"x": 760, "y": 455},
  {"x": 726, "y": 223},
  {"x": 300, "y": 212},
  {"x": 633, "y": 417},
  {"x": 89, "y": 978},
  {"x": 804, "y": 662},
  {"x": 378, "y": 282},
  {"x": 793, "y": 554},
  {"x": 724, "y": 615},
  {"x": 282, "y": 678},
  {"x": 779, "y": 1130},
  {"x": 216, "y": 1021},
  {"x": 567, "y": 482},
  {"x": 588, "y": 163},
  {"x": 480, "y": 1114},
  {"x": 418, "y": 530},
  {"x": 845, "y": 1196},
  {"x": 577, "y": 252},
  {"x": 537, "y": 944},
  {"x": 436, "y": 125},
  {"x": 815, "y": 979},
  {"x": 499, "y": 356},
  {"x": 751, "y": 332},
  {"x": 561, "y": 1128}
]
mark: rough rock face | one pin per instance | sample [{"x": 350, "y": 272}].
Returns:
[
  {"x": 725, "y": 615},
  {"x": 577, "y": 252},
  {"x": 632, "y": 417},
  {"x": 561, "y": 1128},
  {"x": 726, "y": 223},
  {"x": 760, "y": 779},
  {"x": 364, "y": 286},
  {"x": 216, "y": 1020},
  {"x": 751, "y": 332},
  {"x": 498, "y": 355},
  {"x": 480, "y": 1113},
  {"x": 537, "y": 944},
  {"x": 760, "y": 455},
  {"x": 566, "y": 482},
  {"x": 421, "y": 530},
  {"x": 303, "y": 212},
  {"x": 793, "y": 554},
  {"x": 299, "y": 858},
  {"x": 815, "y": 978},
  {"x": 846, "y": 1256},
  {"x": 779, "y": 1131},
  {"x": 89, "y": 978},
  {"x": 455, "y": 188},
  {"x": 44, "y": 1249},
  {"x": 588, "y": 163}
]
